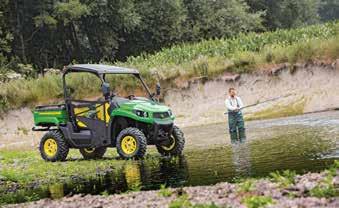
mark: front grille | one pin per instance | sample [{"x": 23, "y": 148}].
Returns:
[{"x": 161, "y": 115}]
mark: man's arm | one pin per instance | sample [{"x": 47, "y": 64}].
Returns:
[
  {"x": 241, "y": 105},
  {"x": 229, "y": 106}
]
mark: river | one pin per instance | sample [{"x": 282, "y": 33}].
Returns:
[{"x": 301, "y": 143}]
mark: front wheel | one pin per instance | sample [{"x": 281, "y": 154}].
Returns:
[
  {"x": 176, "y": 144},
  {"x": 131, "y": 143},
  {"x": 93, "y": 153}
]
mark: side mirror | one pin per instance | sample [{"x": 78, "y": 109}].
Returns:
[
  {"x": 105, "y": 89},
  {"x": 158, "y": 89}
]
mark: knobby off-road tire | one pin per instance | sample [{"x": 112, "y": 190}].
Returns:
[
  {"x": 53, "y": 146},
  {"x": 131, "y": 143},
  {"x": 177, "y": 145},
  {"x": 93, "y": 153}
]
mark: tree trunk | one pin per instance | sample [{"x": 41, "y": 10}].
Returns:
[
  {"x": 19, "y": 33},
  {"x": 76, "y": 43}
]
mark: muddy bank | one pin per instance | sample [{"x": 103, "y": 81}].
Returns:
[
  {"x": 281, "y": 190},
  {"x": 302, "y": 88}
]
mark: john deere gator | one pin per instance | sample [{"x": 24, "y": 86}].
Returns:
[{"x": 127, "y": 123}]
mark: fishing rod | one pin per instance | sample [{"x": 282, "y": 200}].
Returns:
[{"x": 266, "y": 101}]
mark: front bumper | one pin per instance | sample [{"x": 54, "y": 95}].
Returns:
[{"x": 161, "y": 131}]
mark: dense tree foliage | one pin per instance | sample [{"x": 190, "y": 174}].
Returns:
[
  {"x": 53, "y": 33},
  {"x": 288, "y": 13},
  {"x": 329, "y": 10},
  {"x": 5, "y": 35}
]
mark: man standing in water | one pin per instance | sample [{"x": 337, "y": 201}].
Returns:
[{"x": 235, "y": 117}]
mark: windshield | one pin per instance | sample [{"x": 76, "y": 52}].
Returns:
[{"x": 124, "y": 85}]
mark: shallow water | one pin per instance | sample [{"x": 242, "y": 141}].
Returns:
[{"x": 301, "y": 143}]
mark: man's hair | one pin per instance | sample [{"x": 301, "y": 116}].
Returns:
[{"x": 230, "y": 89}]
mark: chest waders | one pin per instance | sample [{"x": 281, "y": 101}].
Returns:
[{"x": 236, "y": 125}]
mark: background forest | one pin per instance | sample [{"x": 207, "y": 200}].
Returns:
[{"x": 52, "y": 33}]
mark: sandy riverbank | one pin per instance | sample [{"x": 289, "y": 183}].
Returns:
[{"x": 284, "y": 190}]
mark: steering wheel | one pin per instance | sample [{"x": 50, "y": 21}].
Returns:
[{"x": 131, "y": 97}]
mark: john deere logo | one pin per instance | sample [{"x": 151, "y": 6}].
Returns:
[{"x": 162, "y": 115}]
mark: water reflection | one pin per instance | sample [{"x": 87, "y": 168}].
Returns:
[
  {"x": 133, "y": 175},
  {"x": 241, "y": 156}
]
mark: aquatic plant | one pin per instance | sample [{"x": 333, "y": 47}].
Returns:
[
  {"x": 164, "y": 191},
  {"x": 206, "y": 206},
  {"x": 257, "y": 201},
  {"x": 284, "y": 178},
  {"x": 246, "y": 186},
  {"x": 325, "y": 189},
  {"x": 180, "y": 202},
  {"x": 333, "y": 170}
]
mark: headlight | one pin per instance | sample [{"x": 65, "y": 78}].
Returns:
[
  {"x": 170, "y": 113},
  {"x": 141, "y": 113}
]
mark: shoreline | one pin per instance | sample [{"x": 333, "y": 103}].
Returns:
[{"x": 281, "y": 189}]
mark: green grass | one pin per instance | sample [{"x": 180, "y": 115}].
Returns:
[
  {"x": 244, "y": 53},
  {"x": 25, "y": 167}
]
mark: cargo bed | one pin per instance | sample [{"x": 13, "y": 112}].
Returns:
[{"x": 50, "y": 115}]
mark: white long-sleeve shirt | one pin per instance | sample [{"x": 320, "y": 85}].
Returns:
[{"x": 232, "y": 103}]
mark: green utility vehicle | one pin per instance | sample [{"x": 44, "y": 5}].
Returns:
[{"x": 127, "y": 123}]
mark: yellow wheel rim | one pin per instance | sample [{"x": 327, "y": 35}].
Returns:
[
  {"x": 89, "y": 150},
  {"x": 170, "y": 147},
  {"x": 129, "y": 144},
  {"x": 50, "y": 147}
]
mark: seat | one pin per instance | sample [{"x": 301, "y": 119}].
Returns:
[{"x": 94, "y": 111}]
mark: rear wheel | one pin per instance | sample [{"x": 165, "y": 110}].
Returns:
[
  {"x": 131, "y": 143},
  {"x": 176, "y": 143},
  {"x": 53, "y": 146},
  {"x": 93, "y": 153}
]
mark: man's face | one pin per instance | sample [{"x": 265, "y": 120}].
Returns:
[{"x": 233, "y": 93}]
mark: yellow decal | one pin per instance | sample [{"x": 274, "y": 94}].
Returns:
[{"x": 49, "y": 113}]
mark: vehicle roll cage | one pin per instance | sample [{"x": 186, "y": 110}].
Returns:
[{"x": 100, "y": 71}]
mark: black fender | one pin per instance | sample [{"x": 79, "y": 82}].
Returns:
[{"x": 115, "y": 125}]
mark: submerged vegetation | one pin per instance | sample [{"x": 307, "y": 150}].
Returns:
[
  {"x": 244, "y": 53},
  {"x": 278, "y": 110}
]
